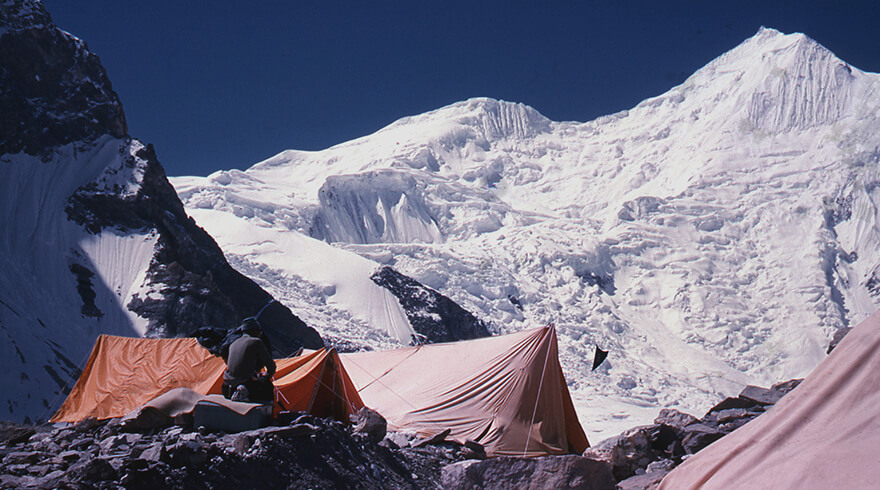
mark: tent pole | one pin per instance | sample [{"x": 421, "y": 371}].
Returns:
[
  {"x": 537, "y": 398},
  {"x": 318, "y": 385}
]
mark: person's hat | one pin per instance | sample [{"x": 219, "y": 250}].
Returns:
[{"x": 251, "y": 326}]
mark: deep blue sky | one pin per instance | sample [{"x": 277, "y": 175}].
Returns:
[{"x": 225, "y": 84}]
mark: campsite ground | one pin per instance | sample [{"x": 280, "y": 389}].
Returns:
[{"x": 323, "y": 453}]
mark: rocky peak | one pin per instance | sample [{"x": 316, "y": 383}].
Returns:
[
  {"x": 20, "y": 14},
  {"x": 53, "y": 90}
]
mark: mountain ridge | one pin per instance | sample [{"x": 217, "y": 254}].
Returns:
[{"x": 705, "y": 236}]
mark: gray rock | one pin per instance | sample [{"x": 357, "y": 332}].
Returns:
[
  {"x": 10, "y": 481},
  {"x": 242, "y": 442},
  {"x": 399, "y": 439},
  {"x": 187, "y": 454},
  {"x": 110, "y": 443},
  {"x": 760, "y": 395},
  {"x": 648, "y": 481},
  {"x": 154, "y": 452},
  {"x": 473, "y": 450},
  {"x": 39, "y": 470},
  {"x": 635, "y": 449},
  {"x": 371, "y": 424},
  {"x": 663, "y": 465},
  {"x": 731, "y": 414},
  {"x": 730, "y": 402},
  {"x": 295, "y": 430},
  {"x": 698, "y": 436},
  {"x": 93, "y": 470},
  {"x": 436, "y": 439},
  {"x": 18, "y": 469},
  {"x": 569, "y": 471},
  {"x": 70, "y": 455},
  {"x": 674, "y": 418},
  {"x": 785, "y": 387},
  {"x": 12, "y": 433},
  {"x": 190, "y": 436},
  {"x": 24, "y": 457},
  {"x": 82, "y": 444},
  {"x": 48, "y": 446}
]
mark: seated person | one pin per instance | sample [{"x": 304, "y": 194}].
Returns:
[{"x": 248, "y": 355}]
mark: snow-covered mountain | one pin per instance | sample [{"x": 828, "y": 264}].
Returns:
[
  {"x": 714, "y": 236},
  {"x": 93, "y": 238}
]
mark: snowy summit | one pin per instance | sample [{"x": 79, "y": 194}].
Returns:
[{"x": 713, "y": 236}]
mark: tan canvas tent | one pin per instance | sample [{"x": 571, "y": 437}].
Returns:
[
  {"x": 824, "y": 434},
  {"x": 506, "y": 392},
  {"x": 123, "y": 373}
]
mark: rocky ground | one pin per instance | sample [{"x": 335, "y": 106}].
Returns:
[{"x": 321, "y": 453}]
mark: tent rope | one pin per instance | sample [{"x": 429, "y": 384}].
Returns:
[
  {"x": 404, "y": 400},
  {"x": 537, "y": 399},
  {"x": 344, "y": 397}
]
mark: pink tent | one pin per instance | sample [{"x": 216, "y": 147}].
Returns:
[
  {"x": 824, "y": 434},
  {"x": 507, "y": 392}
]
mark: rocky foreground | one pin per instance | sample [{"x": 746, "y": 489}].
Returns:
[{"x": 321, "y": 453}]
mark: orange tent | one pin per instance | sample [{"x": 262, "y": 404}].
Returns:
[
  {"x": 124, "y": 373},
  {"x": 506, "y": 392},
  {"x": 316, "y": 383}
]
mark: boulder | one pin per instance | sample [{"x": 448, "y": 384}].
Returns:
[
  {"x": 187, "y": 454},
  {"x": 698, "y": 436},
  {"x": 436, "y": 439},
  {"x": 674, "y": 418},
  {"x": 785, "y": 387},
  {"x": 569, "y": 471},
  {"x": 397, "y": 440},
  {"x": 93, "y": 470},
  {"x": 763, "y": 396},
  {"x": 729, "y": 402},
  {"x": 154, "y": 452},
  {"x": 12, "y": 433},
  {"x": 371, "y": 424},
  {"x": 473, "y": 450},
  {"x": 636, "y": 448},
  {"x": 295, "y": 430},
  {"x": 648, "y": 481}
]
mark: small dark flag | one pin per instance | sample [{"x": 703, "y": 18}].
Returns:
[{"x": 600, "y": 357}]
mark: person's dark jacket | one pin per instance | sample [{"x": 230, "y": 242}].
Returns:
[{"x": 247, "y": 356}]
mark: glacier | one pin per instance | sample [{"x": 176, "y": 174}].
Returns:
[{"x": 714, "y": 236}]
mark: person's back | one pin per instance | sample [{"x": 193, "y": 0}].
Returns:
[{"x": 248, "y": 355}]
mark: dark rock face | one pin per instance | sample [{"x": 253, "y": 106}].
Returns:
[
  {"x": 53, "y": 90},
  {"x": 432, "y": 315},
  {"x": 533, "y": 473},
  {"x": 197, "y": 284}
]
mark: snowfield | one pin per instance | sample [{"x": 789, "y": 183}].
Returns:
[
  {"x": 62, "y": 286},
  {"x": 714, "y": 236}
]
